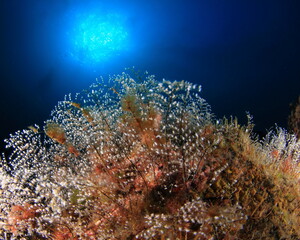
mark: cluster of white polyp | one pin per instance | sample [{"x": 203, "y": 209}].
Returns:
[{"x": 108, "y": 152}]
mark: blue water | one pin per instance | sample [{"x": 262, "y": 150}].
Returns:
[{"x": 245, "y": 54}]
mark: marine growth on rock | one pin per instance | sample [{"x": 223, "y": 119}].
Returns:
[
  {"x": 142, "y": 159},
  {"x": 294, "y": 118}
]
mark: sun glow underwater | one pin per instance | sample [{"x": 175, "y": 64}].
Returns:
[{"x": 98, "y": 37}]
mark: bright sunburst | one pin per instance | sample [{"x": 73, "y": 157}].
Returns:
[{"x": 97, "y": 37}]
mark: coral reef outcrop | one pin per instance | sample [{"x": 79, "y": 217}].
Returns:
[{"x": 131, "y": 159}]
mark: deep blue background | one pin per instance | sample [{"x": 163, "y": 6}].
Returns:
[{"x": 244, "y": 53}]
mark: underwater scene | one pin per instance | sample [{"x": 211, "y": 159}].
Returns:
[{"x": 150, "y": 120}]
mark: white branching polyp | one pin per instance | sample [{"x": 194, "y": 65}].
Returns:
[{"x": 147, "y": 160}]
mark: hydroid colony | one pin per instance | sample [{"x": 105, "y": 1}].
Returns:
[{"x": 147, "y": 160}]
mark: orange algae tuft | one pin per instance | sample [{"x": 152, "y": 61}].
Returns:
[{"x": 55, "y": 132}]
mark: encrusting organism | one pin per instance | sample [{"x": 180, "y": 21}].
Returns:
[{"x": 130, "y": 159}]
